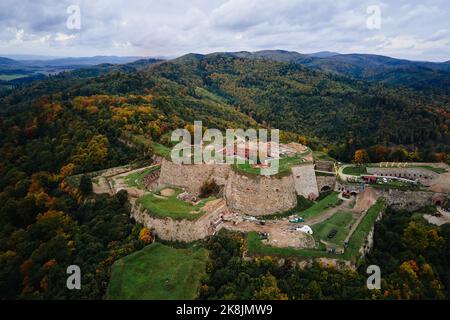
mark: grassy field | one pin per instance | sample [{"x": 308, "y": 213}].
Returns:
[
  {"x": 341, "y": 221},
  {"x": 320, "y": 155},
  {"x": 437, "y": 170},
  {"x": 355, "y": 171},
  {"x": 158, "y": 272},
  {"x": 284, "y": 164},
  {"x": 136, "y": 179},
  {"x": 172, "y": 207},
  {"x": 158, "y": 148},
  {"x": 424, "y": 166},
  {"x": 315, "y": 210},
  {"x": 8, "y": 77},
  {"x": 255, "y": 246},
  {"x": 162, "y": 150},
  {"x": 209, "y": 95},
  {"x": 362, "y": 231}
]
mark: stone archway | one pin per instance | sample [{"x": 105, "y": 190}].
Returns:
[{"x": 438, "y": 201}]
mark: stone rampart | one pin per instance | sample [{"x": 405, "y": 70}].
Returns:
[{"x": 260, "y": 195}]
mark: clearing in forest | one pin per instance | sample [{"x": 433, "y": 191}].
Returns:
[{"x": 158, "y": 272}]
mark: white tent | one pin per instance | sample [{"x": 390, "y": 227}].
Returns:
[{"x": 305, "y": 229}]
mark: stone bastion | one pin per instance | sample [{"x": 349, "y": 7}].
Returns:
[
  {"x": 244, "y": 193},
  {"x": 260, "y": 195}
]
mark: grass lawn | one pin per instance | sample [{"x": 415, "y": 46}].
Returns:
[
  {"x": 162, "y": 150},
  {"x": 341, "y": 221},
  {"x": 255, "y": 246},
  {"x": 320, "y": 155},
  {"x": 136, "y": 179},
  {"x": 284, "y": 166},
  {"x": 315, "y": 210},
  {"x": 158, "y": 272},
  {"x": 359, "y": 237},
  {"x": 158, "y": 148},
  {"x": 355, "y": 171},
  {"x": 437, "y": 170},
  {"x": 172, "y": 207},
  {"x": 423, "y": 166}
]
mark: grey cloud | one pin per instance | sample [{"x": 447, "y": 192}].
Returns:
[{"x": 410, "y": 29}]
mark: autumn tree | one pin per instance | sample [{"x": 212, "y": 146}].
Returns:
[
  {"x": 361, "y": 156},
  {"x": 269, "y": 289}
]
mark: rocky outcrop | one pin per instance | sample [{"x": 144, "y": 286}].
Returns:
[{"x": 260, "y": 195}]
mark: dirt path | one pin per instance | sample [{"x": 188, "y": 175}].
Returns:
[
  {"x": 281, "y": 233},
  {"x": 364, "y": 201},
  {"x": 439, "y": 221},
  {"x": 441, "y": 183},
  {"x": 102, "y": 186}
]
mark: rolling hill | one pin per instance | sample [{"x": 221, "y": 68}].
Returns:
[
  {"x": 226, "y": 89},
  {"x": 420, "y": 75}
]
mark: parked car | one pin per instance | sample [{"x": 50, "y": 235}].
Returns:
[
  {"x": 332, "y": 234},
  {"x": 263, "y": 235},
  {"x": 297, "y": 220}
]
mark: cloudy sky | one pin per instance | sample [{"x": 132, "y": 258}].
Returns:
[{"x": 417, "y": 29}]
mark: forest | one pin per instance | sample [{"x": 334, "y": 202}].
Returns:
[{"x": 81, "y": 121}]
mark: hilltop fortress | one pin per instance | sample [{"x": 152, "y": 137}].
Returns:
[
  {"x": 246, "y": 193},
  {"x": 169, "y": 198}
]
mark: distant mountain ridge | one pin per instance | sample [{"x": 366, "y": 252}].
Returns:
[
  {"x": 368, "y": 67},
  {"x": 8, "y": 62},
  {"x": 422, "y": 75}
]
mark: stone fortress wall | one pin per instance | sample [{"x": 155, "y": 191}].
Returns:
[
  {"x": 326, "y": 181},
  {"x": 260, "y": 195},
  {"x": 423, "y": 175},
  {"x": 192, "y": 177},
  {"x": 323, "y": 165},
  {"x": 411, "y": 200},
  {"x": 247, "y": 194},
  {"x": 305, "y": 180},
  {"x": 180, "y": 230}
]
